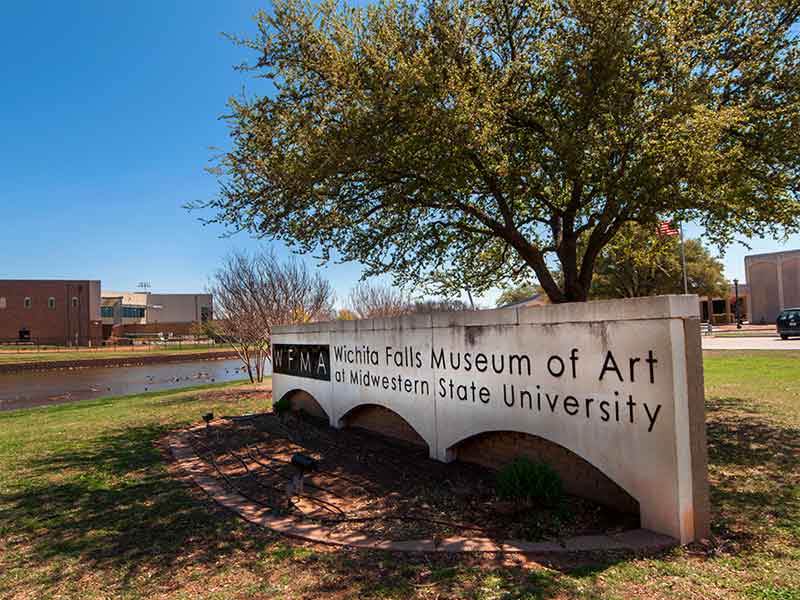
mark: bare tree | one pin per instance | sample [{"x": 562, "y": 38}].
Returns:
[
  {"x": 439, "y": 305},
  {"x": 370, "y": 301},
  {"x": 253, "y": 293},
  {"x": 345, "y": 314}
]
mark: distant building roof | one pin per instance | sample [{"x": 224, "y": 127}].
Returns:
[
  {"x": 535, "y": 300},
  {"x": 779, "y": 252}
]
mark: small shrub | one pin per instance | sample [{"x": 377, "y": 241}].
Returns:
[
  {"x": 523, "y": 479},
  {"x": 282, "y": 406}
]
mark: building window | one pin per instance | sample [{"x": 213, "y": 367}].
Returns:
[
  {"x": 132, "y": 312},
  {"x": 205, "y": 313},
  {"x": 74, "y": 302},
  {"x": 2, "y": 302},
  {"x": 107, "y": 312},
  {"x": 28, "y": 302},
  {"x": 51, "y": 303}
]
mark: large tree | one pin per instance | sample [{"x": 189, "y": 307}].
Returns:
[
  {"x": 489, "y": 138},
  {"x": 640, "y": 262}
]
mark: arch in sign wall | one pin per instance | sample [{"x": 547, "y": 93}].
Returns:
[
  {"x": 382, "y": 420},
  {"x": 494, "y": 449},
  {"x": 303, "y": 401}
]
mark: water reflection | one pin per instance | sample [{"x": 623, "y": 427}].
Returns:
[{"x": 27, "y": 389}]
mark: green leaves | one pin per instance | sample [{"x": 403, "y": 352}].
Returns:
[
  {"x": 640, "y": 262},
  {"x": 470, "y": 143}
]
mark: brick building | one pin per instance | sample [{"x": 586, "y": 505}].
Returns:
[{"x": 59, "y": 312}]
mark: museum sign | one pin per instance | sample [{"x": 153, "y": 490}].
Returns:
[{"x": 617, "y": 383}]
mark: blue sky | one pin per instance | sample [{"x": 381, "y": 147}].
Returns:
[{"x": 108, "y": 114}]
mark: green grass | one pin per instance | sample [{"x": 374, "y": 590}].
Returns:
[
  {"x": 31, "y": 354},
  {"x": 767, "y": 381},
  {"x": 89, "y": 508}
]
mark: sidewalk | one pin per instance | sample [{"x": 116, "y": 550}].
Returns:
[{"x": 749, "y": 343}]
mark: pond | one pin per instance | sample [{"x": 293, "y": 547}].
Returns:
[{"x": 28, "y": 389}]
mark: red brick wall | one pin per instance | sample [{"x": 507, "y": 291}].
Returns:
[
  {"x": 63, "y": 325},
  {"x": 493, "y": 450}
]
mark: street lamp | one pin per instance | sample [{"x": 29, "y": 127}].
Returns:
[{"x": 736, "y": 306}]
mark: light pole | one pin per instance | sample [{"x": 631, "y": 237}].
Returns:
[{"x": 736, "y": 306}]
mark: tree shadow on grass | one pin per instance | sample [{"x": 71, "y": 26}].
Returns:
[
  {"x": 116, "y": 508},
  {"x": 114, "y": 505},
  {"x": 754, "y": 466}
]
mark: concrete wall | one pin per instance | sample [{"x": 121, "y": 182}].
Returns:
[
  {"x": 618, "y": 384},
  {"x": 177, "y": 308},
  {"x": 159, "y": 308},
  {"x": 774, "y": 283}
]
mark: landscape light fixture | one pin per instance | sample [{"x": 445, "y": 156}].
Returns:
[{"x": 303, "y": 463}]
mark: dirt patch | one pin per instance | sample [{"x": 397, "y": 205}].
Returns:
[{"x": 381, "y": 488}]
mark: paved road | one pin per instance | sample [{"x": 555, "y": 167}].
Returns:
[{"x": 750, "y": 343}]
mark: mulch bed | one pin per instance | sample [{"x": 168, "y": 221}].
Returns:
[{"x": 380, "y": 487}]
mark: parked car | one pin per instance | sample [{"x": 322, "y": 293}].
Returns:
[{"x": 788, "y": 323}]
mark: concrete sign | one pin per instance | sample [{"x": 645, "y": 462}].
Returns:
[{"x": 618, "y": 383}]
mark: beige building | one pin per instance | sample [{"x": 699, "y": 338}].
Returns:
[
  {"x": 774, "y": 282},
  {"x": 535, "y": 300},
  {"x": 722, "y": 310},
  {"x": 144, "y": 308}
]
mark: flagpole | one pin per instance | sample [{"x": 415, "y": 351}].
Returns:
[{"x": 683, "y": 261}]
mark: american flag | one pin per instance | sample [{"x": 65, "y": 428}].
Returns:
[{"x": 667, "y": 228}]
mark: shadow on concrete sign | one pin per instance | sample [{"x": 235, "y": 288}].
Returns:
[{"x": 618, "y": 383}]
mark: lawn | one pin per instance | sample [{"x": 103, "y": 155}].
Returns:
[
  {"x": 91, "y": 508},
  {"x": 28, "y": 354}
]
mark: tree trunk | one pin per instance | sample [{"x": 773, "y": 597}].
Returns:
[
  {"x": 574, "y": 291},
  {"x": 249, "y": 367}
]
